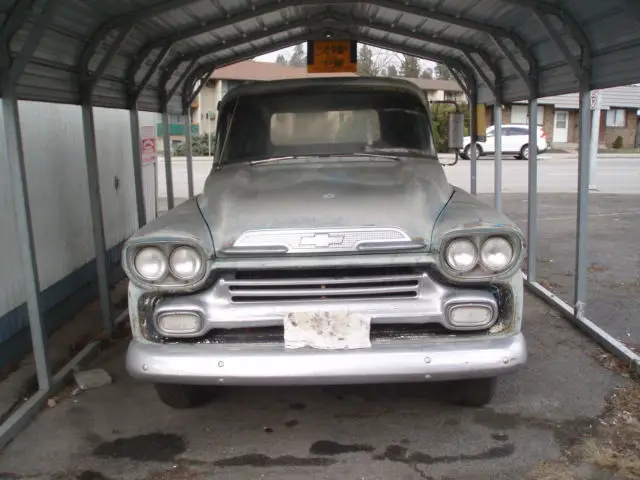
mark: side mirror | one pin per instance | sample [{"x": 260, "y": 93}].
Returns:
[{"x": 455, "y": 134}]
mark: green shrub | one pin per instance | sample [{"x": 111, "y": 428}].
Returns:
[
  {"x": 618, "y": 142},
  {"x": 199, "y": 145},
  {"x": 440, "y": 112}
]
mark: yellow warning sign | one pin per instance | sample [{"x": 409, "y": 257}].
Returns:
[{"x": 332, "y": 56}]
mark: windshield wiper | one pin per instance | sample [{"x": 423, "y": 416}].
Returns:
[
  {"x": 376, "y": 155},
  {"x": 399, "y": 151},
  {"x": 276, "y": 159}
]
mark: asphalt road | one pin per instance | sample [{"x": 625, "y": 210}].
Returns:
[{"x": 557, "y": 174}]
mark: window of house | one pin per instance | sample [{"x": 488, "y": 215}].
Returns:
[
  {"x": 617, "y": 118},
  {"x": 450, "y": 96},
  {"x": 520, "y": 115}
]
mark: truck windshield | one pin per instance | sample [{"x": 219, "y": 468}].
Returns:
[{"x": 321, "y": 124}]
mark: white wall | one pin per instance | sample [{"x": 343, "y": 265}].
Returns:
[{"x": 58, "y": 193}]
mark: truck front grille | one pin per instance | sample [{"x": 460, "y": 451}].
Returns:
[{"x": 321, "y": 285}]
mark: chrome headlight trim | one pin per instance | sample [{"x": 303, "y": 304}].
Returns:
[
  {"x": 480, "y": 272},
  {"x": 170, "y": 281}
]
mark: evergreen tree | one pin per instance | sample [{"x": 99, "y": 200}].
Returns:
[
  {"x": 427, "y": 73},
  {"x": 392, "y": 71},
  {"x": 366, "y": 64},
  {"x": 410, "y": 67},
  {"x": 443, "y": 72},
  {"x": 282, "y": 59},
  {"x": 299, "y": 56}
]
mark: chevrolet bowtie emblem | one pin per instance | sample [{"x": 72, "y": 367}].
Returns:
[{"x": 321, "y": 240}]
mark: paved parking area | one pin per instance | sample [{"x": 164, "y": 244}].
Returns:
[
  {"x": 122, "y": 431},
  {"x": 406, "y": 432}
]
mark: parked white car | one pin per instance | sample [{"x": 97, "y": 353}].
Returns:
[{"x": 515, "y": 140}]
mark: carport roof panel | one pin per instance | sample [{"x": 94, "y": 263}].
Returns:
[{"x": 217, "y": 32}]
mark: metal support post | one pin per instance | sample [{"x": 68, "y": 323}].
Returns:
[
  {"x": 497, "y": 185},
  {"x": 595, "y": 139},
  {"x": 532, "y": 223},
  {"x": 19, "y": 188},
  {"x": 583, "y": 199},
  {"x": 474, "y": 146},
  {"x": 167, "y": 157},
  {"x": 188, "y": 140},
  {"x": 95, "y": 201},
  {"x": 137, "y": 166}
]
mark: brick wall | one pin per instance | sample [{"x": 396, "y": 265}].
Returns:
[{"x": 628, "y": 133}]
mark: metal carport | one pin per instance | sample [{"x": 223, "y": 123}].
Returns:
[{"x": 153, "y": 55}]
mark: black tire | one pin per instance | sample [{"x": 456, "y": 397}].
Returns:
[
  {"x": 467, "y": 152},
  {"x": 184, "y": 396},
  {"x": 524, "y": 152},
  {"x": 476, "y": 392}
]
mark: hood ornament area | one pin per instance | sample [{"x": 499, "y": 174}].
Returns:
[{"x": 337, "y": 240}]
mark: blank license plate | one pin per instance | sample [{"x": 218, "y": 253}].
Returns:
[{"x": 327, "y": 330}]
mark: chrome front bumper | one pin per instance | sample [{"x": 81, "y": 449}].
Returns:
[{"x": 394, "y": 361}]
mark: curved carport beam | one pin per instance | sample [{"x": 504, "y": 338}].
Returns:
[
  {"x": 237, "y": 42},
  {"x": 134, "y": 90},
  {"x": 206, "y": 26},
  {"x": 328, "y": 24},
  {"x": 423, "y": 37},
  {"x": 545, "y": 8}
]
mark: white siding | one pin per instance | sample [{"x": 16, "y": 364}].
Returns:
[{"x": 58, "y": 192}]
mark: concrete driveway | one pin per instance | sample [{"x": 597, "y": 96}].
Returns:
[{"x": 122, "y": 431}]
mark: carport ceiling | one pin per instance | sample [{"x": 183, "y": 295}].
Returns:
[{"x": 148, "y": 50}]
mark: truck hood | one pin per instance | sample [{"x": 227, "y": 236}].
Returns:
[{"x": 324, "y": 194}]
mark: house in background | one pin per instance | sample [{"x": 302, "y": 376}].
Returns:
[
  {"x": 558, "y": 115},
  {"x": 205, "y": 108}
]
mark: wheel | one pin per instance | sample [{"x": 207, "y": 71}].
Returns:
[
  {"x": 524, "y": 152},
  {"x": 476, "y": 392},
  {"x": 184, "y": 396},
  {"x": 467, "y": 152}
]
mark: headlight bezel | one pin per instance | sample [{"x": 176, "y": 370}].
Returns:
[
  {"x": 170, "y": 280},
  {"x": 480, "y": 272}
]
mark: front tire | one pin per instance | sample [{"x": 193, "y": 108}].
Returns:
[
  {"x": 524, "y": 152},
  {"x": 184, "y": 396},
  {"x": 476, "y": 392}
]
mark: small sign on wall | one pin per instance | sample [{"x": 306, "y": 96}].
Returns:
[
  {"x": 332, "y": 56},
  {"x": 148, "y": 147}
]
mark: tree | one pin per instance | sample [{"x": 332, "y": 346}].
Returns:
[
  {"x": 392, "y": 71},
  {"x": 443, "y": 72},
  {"x": 410, "y": 66},
  {"x": 427, "y": 73},
  {"x": 299, "y": 57},
  {"x": 366, "y": 64},
  {"x": 282, "y": 59}
]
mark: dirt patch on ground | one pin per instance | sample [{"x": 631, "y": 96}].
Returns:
[{"x": 611, "y": 451}]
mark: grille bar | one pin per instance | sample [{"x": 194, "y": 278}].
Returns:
[{"x": 296, "y": 285}]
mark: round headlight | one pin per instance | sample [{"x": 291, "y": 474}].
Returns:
[
  {"x": 151, "y": 264},
  {"x": 496, "y": 254},
  {"x": 462, "y": 255},
  {"x": 185, "y": 263}
]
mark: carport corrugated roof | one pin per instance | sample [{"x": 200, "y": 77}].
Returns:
[{"x": 512, "y": 47}]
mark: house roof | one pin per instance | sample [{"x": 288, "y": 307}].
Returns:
[
  {"x": 265, "y": 71},
  {"x": 431, "y": 84}
]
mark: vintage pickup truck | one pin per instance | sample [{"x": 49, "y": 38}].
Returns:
[{"x": 327, "y": 247}]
